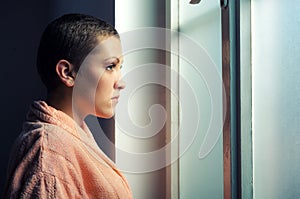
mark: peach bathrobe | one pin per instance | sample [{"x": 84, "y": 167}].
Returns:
[{"x": 55, "y": 158}]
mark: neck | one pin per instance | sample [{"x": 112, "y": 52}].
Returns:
[{"x": 61, "y": 99}]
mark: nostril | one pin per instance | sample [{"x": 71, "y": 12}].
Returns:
[
  {"x": 195, "y": 1},
  {"x": 120, "y": 84}
]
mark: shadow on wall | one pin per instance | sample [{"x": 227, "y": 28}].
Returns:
[{"x": 22, "y": 23}]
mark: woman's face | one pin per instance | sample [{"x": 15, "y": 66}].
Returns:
[{"x": 98, "y": 82}]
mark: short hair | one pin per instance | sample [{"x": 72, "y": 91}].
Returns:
[{"x": 70, "y": 37}]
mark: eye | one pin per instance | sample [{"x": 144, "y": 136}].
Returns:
[{"x": 110, "y": 67}]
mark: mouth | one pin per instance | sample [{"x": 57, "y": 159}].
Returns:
[{"x": 115, "y": 98}]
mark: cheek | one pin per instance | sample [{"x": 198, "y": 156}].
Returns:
[
  {"x": 104, "y": 106},
  {"x": 104, "y": 88},
  {"x": 86, "y": 88}
]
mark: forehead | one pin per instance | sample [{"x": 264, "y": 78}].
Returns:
[{"x": 108, "y": 47}]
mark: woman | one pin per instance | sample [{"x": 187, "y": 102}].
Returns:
[{"x": 79, "y": 61}]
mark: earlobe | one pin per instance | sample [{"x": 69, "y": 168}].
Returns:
[{"x": 65, "y": 71}]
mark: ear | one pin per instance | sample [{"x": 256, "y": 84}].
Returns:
[{"x": 66, "y": 72}]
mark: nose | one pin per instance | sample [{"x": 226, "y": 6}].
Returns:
[{"x": 120, "y": 84}]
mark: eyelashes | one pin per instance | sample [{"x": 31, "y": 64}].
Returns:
[{"x": 112, "y": 67}]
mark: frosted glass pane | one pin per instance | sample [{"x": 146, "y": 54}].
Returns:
[
  {"x": 276, "y": 98},
  {"x": 201, "y": 176}
]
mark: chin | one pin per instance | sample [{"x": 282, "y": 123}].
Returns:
[{"x": 106, "y": 114}]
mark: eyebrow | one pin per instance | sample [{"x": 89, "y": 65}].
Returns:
[{"x": 115, "y": 58}]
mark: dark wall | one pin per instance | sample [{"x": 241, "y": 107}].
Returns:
[{"x": 22, "y": 23}]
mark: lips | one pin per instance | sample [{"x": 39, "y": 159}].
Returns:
[{"x": 115, "y": 98}]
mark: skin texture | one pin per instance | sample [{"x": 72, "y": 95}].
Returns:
[{"x": 95, "y": 88}]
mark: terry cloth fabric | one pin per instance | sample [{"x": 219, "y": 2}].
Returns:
[{"x": 56, "y": 158}]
